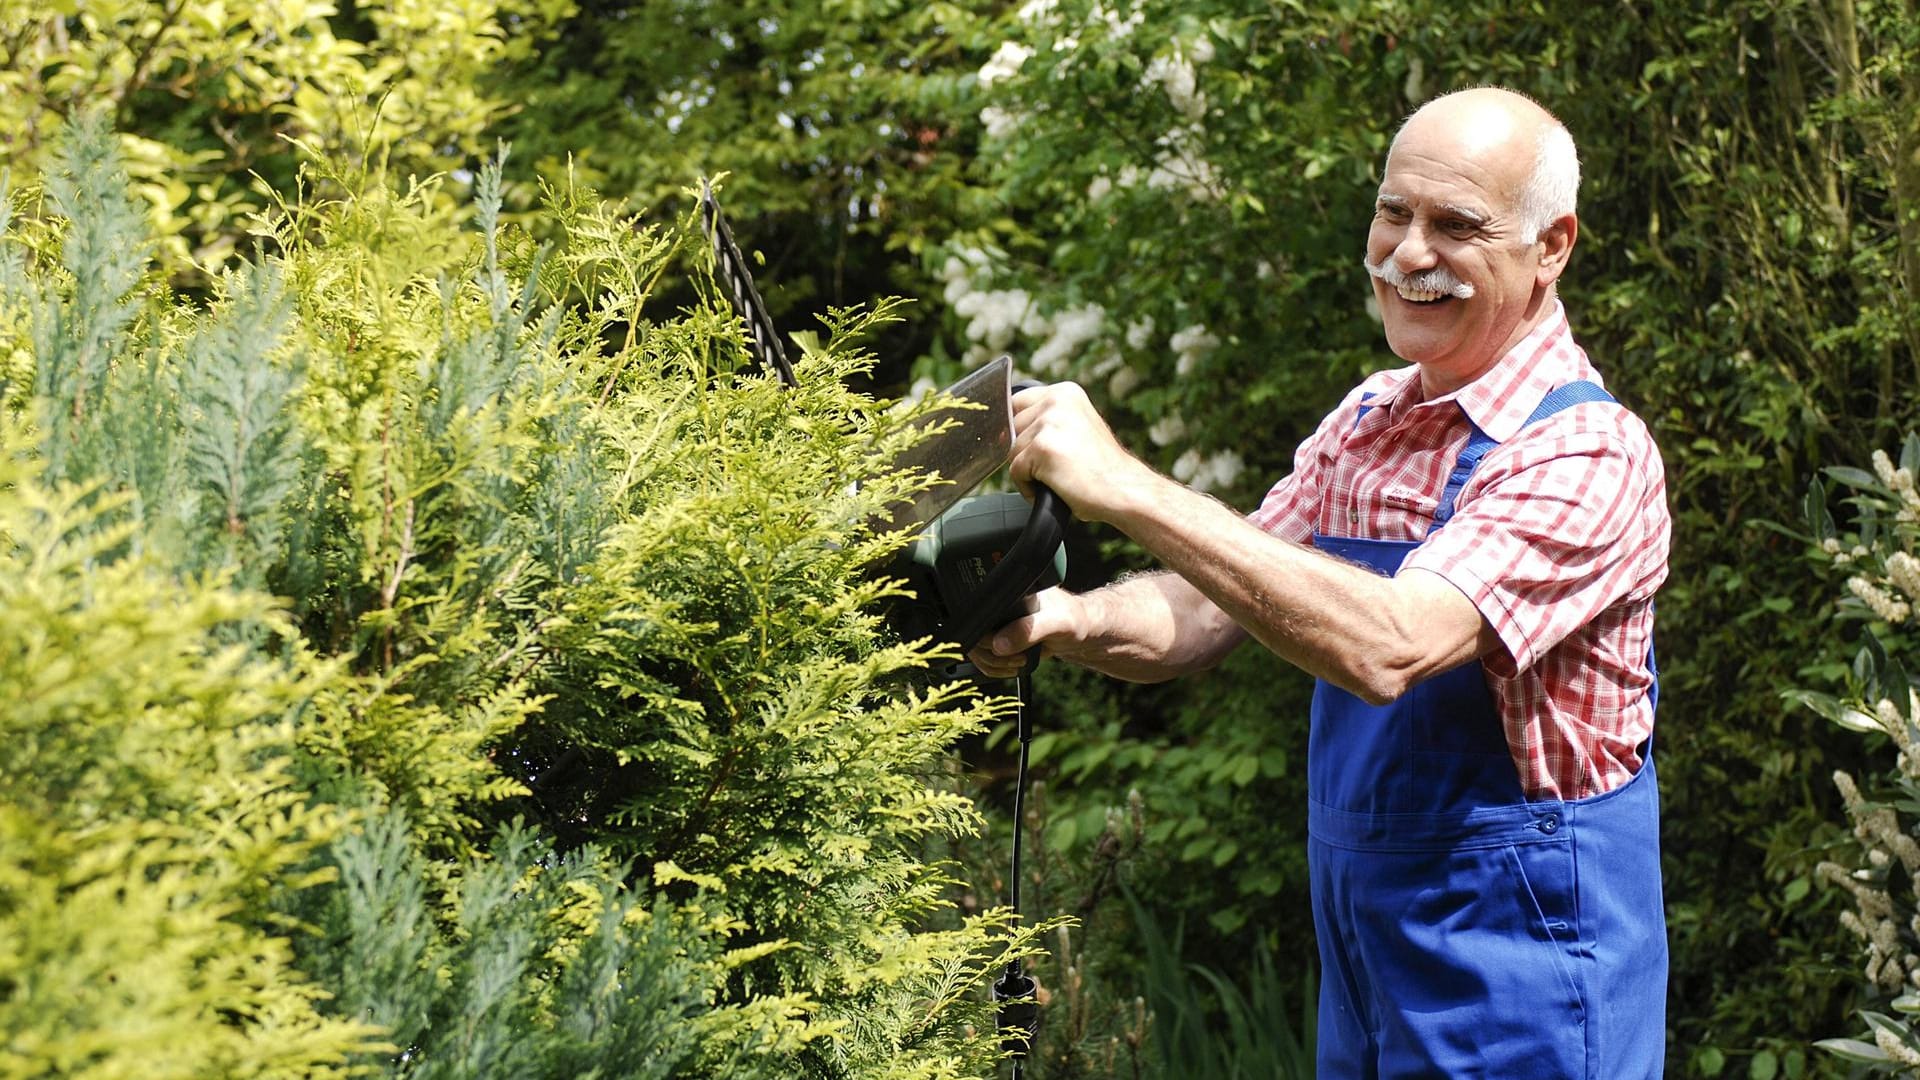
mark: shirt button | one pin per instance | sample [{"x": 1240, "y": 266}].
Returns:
[{"x": 1353, "y": 515}]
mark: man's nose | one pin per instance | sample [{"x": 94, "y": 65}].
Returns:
[{"x": 1413, "y": 254}]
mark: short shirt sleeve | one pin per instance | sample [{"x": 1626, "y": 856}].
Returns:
[
  {"x": 1292, "y": 505},
  {"x": 1558, "y": 524}
]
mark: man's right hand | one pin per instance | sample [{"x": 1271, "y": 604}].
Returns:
[{"x": 1054, "y": 621}]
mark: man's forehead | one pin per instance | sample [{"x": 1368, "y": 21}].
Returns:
[
  {"x": 1469, "y": 124},
  {"x": 1475, "y": 144}
]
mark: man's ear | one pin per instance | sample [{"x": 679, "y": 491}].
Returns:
[{"x": 1556, "y": 247}]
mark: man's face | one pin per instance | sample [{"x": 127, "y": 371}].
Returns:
[{"x": 1449, "y": 207}]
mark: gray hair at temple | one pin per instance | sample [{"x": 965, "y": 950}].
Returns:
[{"x": 1553, "y": 187}]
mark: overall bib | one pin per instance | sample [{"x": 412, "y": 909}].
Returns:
[{"x": 1465, "y": 931}]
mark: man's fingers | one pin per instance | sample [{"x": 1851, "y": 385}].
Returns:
[
  {"x": 1003, "y": 652},
  {"x": 1012, "y": 639},
  {"x": 997, "y": 667}
]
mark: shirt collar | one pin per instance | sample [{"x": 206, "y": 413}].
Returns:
[{"x": 1502, "y": 398}]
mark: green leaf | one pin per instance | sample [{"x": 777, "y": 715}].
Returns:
[
  {"x": 1832, "y": 708},
  {"x": 1854, "y": 1050},
  {"x": 1856, "y": 478},
  {"x": 1041, "y": 747},
  {"x": 1889, "y": 1026}
]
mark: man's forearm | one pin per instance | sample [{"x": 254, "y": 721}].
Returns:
[
  {"x": 1371, "y": 635},
  {"x": 1150, "y": 628},
  {"x": 1368, "y": 634}
]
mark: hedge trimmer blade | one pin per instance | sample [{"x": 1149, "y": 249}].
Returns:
[{"x": 732, "y": 267}]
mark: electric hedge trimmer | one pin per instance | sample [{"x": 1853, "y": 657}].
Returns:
[{"x": 976, "y": 559}]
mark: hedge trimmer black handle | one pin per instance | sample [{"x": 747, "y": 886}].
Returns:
[{"x": 999, "y": 599}]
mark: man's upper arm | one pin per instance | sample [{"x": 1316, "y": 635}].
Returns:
[{"x": 1451, "y": 626}]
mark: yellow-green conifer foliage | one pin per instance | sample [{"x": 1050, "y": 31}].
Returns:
[
  {"x": 483, "y": 674},
  {"x": 150, "y": 809}
]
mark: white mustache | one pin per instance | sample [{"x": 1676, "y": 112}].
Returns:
[{"x": 1434, "y": 280}]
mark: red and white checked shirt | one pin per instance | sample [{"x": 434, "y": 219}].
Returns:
[{"x": 1560, "y": 539}]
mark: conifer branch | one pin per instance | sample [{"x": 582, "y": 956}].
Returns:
[{"x": 390, "y": 591}]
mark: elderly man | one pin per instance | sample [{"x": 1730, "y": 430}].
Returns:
[{"x": 1464, "y": 557}]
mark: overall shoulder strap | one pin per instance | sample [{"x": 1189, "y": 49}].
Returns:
[
  {"x": 1364, "y": 408},
  {"x": 1566, "y": 397},
  {"x": 1478, "y": 443}
]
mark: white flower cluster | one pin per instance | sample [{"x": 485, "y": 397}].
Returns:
[
  {"x": 1167, "y": 430},
  {"x": 1843, "y": 556},
  {"x": 1175, "y": 169},
  {"x": 1035, "y": 12},
  {"x": 1901, "y": 481},
  {"x": 996, "y": 316},
  {"x": 1208, "y": 472},
  {"x": 1173, "y": 71},
  {"x": 1117, "y": 26},
  {"x": 1891, "y": 593},
  {"x": 1005, "y": 64},
  {"x": 1883, "y": 919},
  {"x": 1883, "y": 603},
  {"x": 1890, "y": 965},
  {"x": 993, "y": 316},
  {"x": 1139, "y": 332},
  {"x": 1181, "y": 166},
  {"x": 1191, "y": 346},
  {"x": 1178, "y": 165},
  {"x": 1071, "y": 329},
  {"x": 1415, "y": 87},
  {"x": 1904, "y": 571},
  {"x": 1000, "y": 122}
]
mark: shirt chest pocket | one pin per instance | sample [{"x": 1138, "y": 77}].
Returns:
[
  {"x": 1405, "y": 510},
  {"x": 1395, "y": 512}
]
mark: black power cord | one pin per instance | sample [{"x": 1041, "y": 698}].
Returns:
[{"x": 1019, "y": 1012}]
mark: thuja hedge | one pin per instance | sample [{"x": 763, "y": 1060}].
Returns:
[{"x": 420, "y": 658}]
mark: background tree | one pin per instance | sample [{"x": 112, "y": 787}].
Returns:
[
  {"x": 837, "y": 124},
  {"x": 210, "y": 98}
]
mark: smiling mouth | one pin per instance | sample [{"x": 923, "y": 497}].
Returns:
[{"x": 1421, "y": 296}]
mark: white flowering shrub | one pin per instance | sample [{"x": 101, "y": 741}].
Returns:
[
  {"x": 1170, "y": 233},
  {"x": 1882, "y": 586}
]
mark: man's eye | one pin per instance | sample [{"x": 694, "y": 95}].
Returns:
[
  {"x": 1459, "y": 228},
  {"x": 1393, "y": 213}
]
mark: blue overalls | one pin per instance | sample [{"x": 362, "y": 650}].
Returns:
[{"x": 1464, "y": 930}]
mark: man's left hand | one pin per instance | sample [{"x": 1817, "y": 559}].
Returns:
[{"x": 1061, "y": 441}]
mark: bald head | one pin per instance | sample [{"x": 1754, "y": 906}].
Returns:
[{"x": 1522, "y": 146}]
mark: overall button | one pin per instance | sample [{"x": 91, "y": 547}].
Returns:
[{"x": 1549, "y": 823}]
